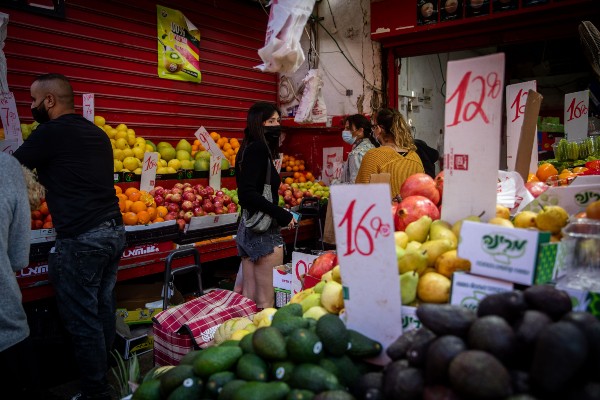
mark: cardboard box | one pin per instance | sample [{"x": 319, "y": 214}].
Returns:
[
  {"x": 132, "y": 300},
  {"x": 282, "y": 283},
  {"x": 583, "y": 300},
  {"x": 468, "y": 290},
  {"x": 138, "y": 341}
]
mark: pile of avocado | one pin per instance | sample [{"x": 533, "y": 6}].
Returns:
[
  {"x": 522, "y": 345},
  {"x": 294, "y": 358}
]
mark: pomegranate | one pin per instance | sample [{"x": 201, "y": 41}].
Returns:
[
  {"x": 411, "y": 209},
  {"x": 536, "y": 188},
  {"x": 322, "y": 264},
  {"x": 439, "y": 184},
  {"x": 420, "y": 185}
]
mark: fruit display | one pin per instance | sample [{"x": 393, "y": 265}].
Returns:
[
  {"x": 283, "y": 356},
  {"x": 290, "y": 195},
  {"x": 421, "y": 195},
  {"x": 518, "y": 345},
  {"x": 138, "y": 207},
  {"x": 229, "y": 146},
  {"x": 292, "y": 164},
  {"x": 41, "y": 218}
]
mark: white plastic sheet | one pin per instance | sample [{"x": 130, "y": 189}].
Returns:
[{"x": 312, "y": 107}]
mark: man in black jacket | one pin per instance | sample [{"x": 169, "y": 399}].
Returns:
[{"x": 428, "y": 156}]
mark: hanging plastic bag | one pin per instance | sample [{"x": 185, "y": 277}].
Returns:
[
  {"x": 511, "y": 192},
  {"x": 282, "y": 51},
  {"x": 312, "y": 107}
]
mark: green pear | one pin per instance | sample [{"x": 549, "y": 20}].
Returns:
[
  {"x": 413, "y": 260},
  {"x": 311, "y": 301},
  {"x": 408, "y": 286},
  {"x": 435, "y": 248},
  {"x": 336, "y": 274},
  {"x": 501, "y": 222},
  {"x": 401, "y": 239},
  {"x": 332, "y": 298},
  {"x": 399, "y": 253},
  {"x": 315, "y": 312},
  {"x": 442, "y": 230},
  {"x": 458, "y": 224},
  {"x": 318, "y": 288},
  {"x": 419, "y": 229},
  {"x": 413, "y": 245}
]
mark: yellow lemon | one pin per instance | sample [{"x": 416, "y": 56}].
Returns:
[
  {"x": 162, "y": 170},
  {"x": 130, "y": 132},
  {"x": 121, "y": 143},
  {"x": 175, "y": 164},
  {"x": 112, "y": 133},
  {"x": 130, "y": 140},
  {"x": 106, "y": 127},
  {"x": 149, "y": 149},
  {"x": 112, "y": 143},
  {"x": 137, "y": 171},
  {"x": 122, "y": 127},
  {"x": 171, "y": 170},
  {"x": 130, "y": 163},
  {"x": 138, "y": 138},
  {"x": 119, "y": 134},
  {"x": 138, "y": 153},
  {"x": 127, "y": 152},
  {"x": 162, "y": 163},
  {"x": 118, "y": 154},
  {"x": 118, "y": 165},
  {"x": 98, "y": 120}
]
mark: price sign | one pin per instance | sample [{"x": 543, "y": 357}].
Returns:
[
  {"x": 148, "y": 179},
  {"x": 88, "y": 106},
  {"x": 364, "y": 233},
  {"x": 473, "y": 119},
  {"x": 516, "y": 97},
  {"x": 208, "y": 143},
  {"x": 301, "y": 263},
  {"x": 576, "y": 115},
  {"x": 214, "y": 177},
  {"x": 8, "y": 146},
  {"x": 10, "y": 118},
  {"x": 332, "y": 157},
  {"x": 278, "y": 163}
]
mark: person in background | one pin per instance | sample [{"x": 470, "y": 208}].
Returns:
[
  {"x": 16, "y": 352},
  {"x": 428, "y": 155},
  {"x": 74, "y": 161},
  {"x": 397, "y": 153},
  {"x": 357, "y": 132},
  {"x": 260, "y": 252}
]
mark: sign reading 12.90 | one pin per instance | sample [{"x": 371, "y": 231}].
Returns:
[{"x": 487, "y": 87}]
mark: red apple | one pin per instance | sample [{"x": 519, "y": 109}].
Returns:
[
  {"x": 180, "y": 214},
  {"x": 159, "y": 190},
  {"x": 287, "y": 198},
  {"x": 178, "y": 185},
  {"x": 210, "y": 190},
  {"x": 176, "y": 198},
  {"x": 217, "y": 203},
  {"x": 173, "y": 207},
  {"x": 159, "y": 200},
  {"x": 203, "y": 192},
  {"x": 187, "y": 205},
  {"x": 420, "y": 184},
  {"x": 322, "y": 264},
  {"x": 186, "y": 185},
  {"x": 189, "y": 195},
  {"x": 176, "y": 190},
  {"x": 226, "y": 200},
  {"x": 171, "y": 216},
  {"x": 196, "y": 203},
  {"x": 169, "y": 197},
  {"x": 208, "y": 206},
  {"x": 219, "y": 193},
  {"x": 188, "y": 216},
  {"x": 219, "y": 210},
  {"x": 198, "y": 212},
  {"x": 152, "y": 192},
  {"x": 198, "y": 197},
  {"x": 232, "y": 208},
  {"x": 198, "y": 188},
  {"x": 287, "y": 192},
  {"x": 181, "y": 224},
  {"x": 188, "y": 189},
  {"x": 298, "y": 194}
]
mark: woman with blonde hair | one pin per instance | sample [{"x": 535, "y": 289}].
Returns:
[{"x": 397, "y": 154}]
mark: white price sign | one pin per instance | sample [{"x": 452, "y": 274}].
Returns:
[
  {"x": 149, "y": 167},
  {"x": 208, "y": 142},
  {"x": 8, "y": 146},
  {"x": 473, "y": 120},
  {"x": 576, "y": 114},
  {"x": 301, "y": 263},
  {"x": 10, "y": 118},
  {"x": 364, "y": 233},
  {"x": 279, "y": 162},
  {"x": 214, "y": 177},
  {"x": 516, "y": 98},
  {"x": 333, "y": 161},
  {"x": 88, "y": 106}
]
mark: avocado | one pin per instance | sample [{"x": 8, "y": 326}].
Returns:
[
  {"x": 361, "y": 346},
  {"x": 549, "y": 300},
  {"x": 522, "y": 397},
  {"x": 333, "y": 333},
  {"x": 291, "y": 310},
  {"x": 406, "y": 383},
  {"x": 251, "y": 367},
  {"x": 191, "y": 388},
  {"x": 417, "y": 352},
  {"x": 520, "y": 381},
  {"x": 282, "y": 370},
  {"x": 439, "y": 392},
  {"x": 230, "y": 343},
  {"x": 314, "y": 378},
  {"x": 311, "y": 324},
  {"x": 230, "y": 388},
  {"x": 440, "y": 354},
  {"x": 346, "y": 370},
  {"x": 246, "y": 343},
  {"x": 494, "y": 335},
  {"x": 374, "y": 394},
  {"x": 216, "y": 359},
  {"x": 446, "y": 319},
  {"x": 216, "y": 381},
  {"x": 590, "y": 326},
  {"x": 298, "y": 394},
  {"x": 288, "y": 323},
  {"x": 189, "y": 358},
  {"x": 149, "y": 390},
  {"x": 269, "y": 343},
  {"x": 508, "y": 305},
  {"x": 334, "y": 395},
  {"x": 527, "y": 330},
  {"x": 304, "y": 346},
  {"x": 367, "y": 382},
  {"x": 477, "y": 374},
  {"x": 262, "y": 391},
  {"x": 560, "y": 352},
  {"x": 398, "y": 349},
  {"x": 174, "y": 377}
]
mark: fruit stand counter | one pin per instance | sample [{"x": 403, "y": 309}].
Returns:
[{"x": 143, "y": 259}]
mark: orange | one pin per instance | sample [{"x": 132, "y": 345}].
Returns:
[
  {"x": 143, "y": 217},
  {"x": 130, "y": 218},
  {"x": 532, "y": 178},
  {"x": 289, "y": 180},
  {"x": 215, "y": 136},
  {"x": 296, "y": 174},
  {"x": 118, "y": 189},
  {"x": 122, "y": 205},
  {"x": 302, "y": 179},
  {"x": 135, "y": 196},
  {"x": 152, "y": 213},
  {"x": 158, "y": 219},
  {"x": 301, "y": 167},
  {"x": 196, "y": 142},
  {"x": 161, "y": 211},
  {"x": 44, "y": 209},
  {"x": 138, "y": 206},
  {"x": 48, "y": 225},
  {"x": 579, "y": 170},
  {"x": 288, "y": 169},
  {"x": 122, "y": 196},
  {"x": 130, "y": 190},
  {"x": 295, "y": 168},
  {"x": 128, "y": 204},
  {"x": 147, "y": 199},
  {"x": 545, "y": 171}
]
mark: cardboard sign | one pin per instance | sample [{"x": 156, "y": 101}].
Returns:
[
  {"x": 9, "y": 146},
  {"x": 10, "y": 118},
  {"x": 509, "y": 254},
  {"x": 473, "y": 121},
  {"x": 333, "y": 161},
  {"x": 148, "y": 179},
  {"x": 364, "y": 232},
  {"x": 528, "y": 134},
  {"x": 88, "y": 106},
  {"x": 516, "y": 98},
  {"x": 576, "y": 114},
  {"x": 301, "y": 262},
  {"x": 210, "y": 221},
  {"x": 214, "y": 172},
  {"x": 468, "y": 290},
  {"x": 208, "y": 143},
  {"x": 410, "y": 321},
  {"x": 573, "y": 198}
]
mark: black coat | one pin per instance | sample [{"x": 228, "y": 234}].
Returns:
[{"x": 428, "y": 156}]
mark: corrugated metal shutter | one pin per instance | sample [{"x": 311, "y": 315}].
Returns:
[{"x": 109, "y": 48}]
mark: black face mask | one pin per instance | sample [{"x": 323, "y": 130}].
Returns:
[
  {"x": 272, "y": 134},
  {"x": 40, "y": 114}
]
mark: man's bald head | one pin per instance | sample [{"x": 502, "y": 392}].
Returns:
[{"x": 57, "y": 85}]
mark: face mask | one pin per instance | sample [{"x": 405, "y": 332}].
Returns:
[
  {"x": 272, "y": 133},
  {"x": 347, "y": 137},
  {"x": 40, "y": 114}
]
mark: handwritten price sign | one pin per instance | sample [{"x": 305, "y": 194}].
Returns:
[
  {"x": 473, "y": 120},
  {"x": 149, "y": 166},
  {"x": 278, "y": 162},
  {"x": 10, "y": 118},
  {"x": 88, "y": 106},
  {"x": 301, "y": 263},
  {"x": 214, "y": 178},
  {"x": 576, "y": 114},
  {"x": 208, "y": 142},
  {"x": 516, "y": 97},
  {"x": 333, "y": 159},
  {"x": 8, "y": 146},
  {"x": 366, "y": 252}
]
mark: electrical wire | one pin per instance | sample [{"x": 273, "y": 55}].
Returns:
[
  {"x": 332, "y": 17},
  {"x": 443, "y": 78}
]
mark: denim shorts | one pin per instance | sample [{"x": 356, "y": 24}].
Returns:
[{"x": 256, "y": 245}]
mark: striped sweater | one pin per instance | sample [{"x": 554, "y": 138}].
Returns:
[{"x": 385, "y": 159}]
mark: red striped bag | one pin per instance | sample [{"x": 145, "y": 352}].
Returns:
[{"x": 192, "y": 325}]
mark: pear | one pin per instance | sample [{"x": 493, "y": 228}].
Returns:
[
  {"x": 311, "y": 301},
  {"x": 412, "y": 260},
  {"x": 332, "y": 298},
  {"x": 552, "y": 219},
  {"x": 434, "y": 288},
  {"x": 318, "y": 288},
  {"x": 502, "y": 212},
  {"x": 419, "y": 229},
  {"x": 435, "y": 248},
  {"x": 399, "y": 253},
  {"x": 264, "y": 317},
  {"x": 441, "y": 230},
  {"x": 449, "y": 262},
  {"x": 315, "y": 312},
  {"x": 525, "y": 219},
  {"x": 458, "y": 224},
  {"x": 298, "y": 297},
  {"x": 414, "y": 245},
  {"x": 501, "y": 222},
  {"x": 336, "y": 275},
  {"x": 327, "y": 276},
  {"x": 401, "y": 239},
  {"x": 408, "y": 286}
]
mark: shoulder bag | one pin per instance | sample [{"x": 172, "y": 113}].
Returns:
[{"x": 259, "y": 222}]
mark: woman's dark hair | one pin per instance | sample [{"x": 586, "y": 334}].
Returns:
[
  {"x": 395, "y": 127},
  {"x": 360, "y": 121},
  {"x": 257, "y": 115}
]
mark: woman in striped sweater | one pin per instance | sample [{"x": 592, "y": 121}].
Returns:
[{"x": 397, "y": 153}]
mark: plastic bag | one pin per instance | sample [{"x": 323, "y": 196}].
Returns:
[
  {"x": 511, "y": 192},
  {"x": 282, "y": 51},
  {"x": 312, "y": 105}
]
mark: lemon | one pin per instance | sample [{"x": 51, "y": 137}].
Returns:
[
  {"x": 162, "y": 163},
  {"x": 149, "y": 148},
  {"x": 138, "y": 153},
  {"x": 127, "y": 152},
  {"x": 112, "y": 143},
  {"x": 121, "y": 143},
  {"x": 118, "y": 154},
  {"x": 552, "y": 219},
  {"x": 175, "y": 164},
  {"x": 118, "y": 165},
  {"x": 130, "y": 163},
  {"x": 130, "y": 132},
  {"x": 98, "y": 120},
  {"x": 122, "y": 127},
  {"x": 131, "y": 139},
  {"x": 137, "y": 171},
  {"x": 162, "y": 170},
  {"x": 187, "y": 164},
  {"x": 107, "y": 127},
  {"x": 119, "y": 134},
  {"x": 171, "y": 170}
]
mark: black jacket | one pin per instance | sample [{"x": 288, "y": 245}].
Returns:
[{"x": 428, "y": 156}]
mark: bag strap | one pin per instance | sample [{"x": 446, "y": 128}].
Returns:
[{"x": 269, "y": 165}]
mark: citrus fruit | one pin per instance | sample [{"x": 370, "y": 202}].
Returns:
[
  {"x": 121, "y": 127},
  {"x": 143, "y": 217},
  {"x": 593, "y": 210},
  {"x": 130, "y": 218},
  {"x": 121, "y": 143},
  {"x": 545, "y": 171},
  {"x": 161, "y": 211},
  {"x": 151, "y": 213},
  {"x": 98, "y": 120},
  {"x": 131, "y": 163},
  {"x": 138, "y": 206}
]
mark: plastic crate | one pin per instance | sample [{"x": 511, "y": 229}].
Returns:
[
  {"x": 158, "y": 234},
  {"x": 207, "y": 233},
  {"x": 39, "y": 251}
]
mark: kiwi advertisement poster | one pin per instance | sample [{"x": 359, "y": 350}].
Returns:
[{"x": 178, "y": 46}]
